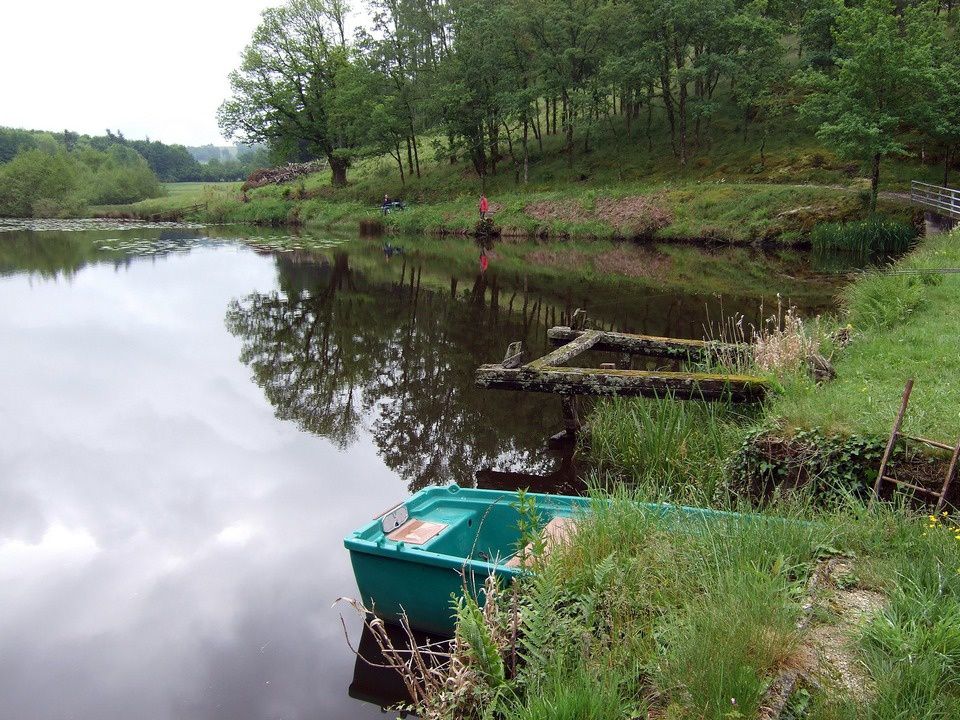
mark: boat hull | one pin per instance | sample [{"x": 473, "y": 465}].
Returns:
[{"x": 422, "y": 580}]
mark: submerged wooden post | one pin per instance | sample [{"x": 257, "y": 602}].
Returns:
[{"x": 571, "y": 418}]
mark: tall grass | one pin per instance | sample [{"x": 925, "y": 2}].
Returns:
[
  {"x": 863, "y": 237},
  {"x": 569, "y": 690},
  {"x": 677, "y": 447},
  {"x": 702, "y": 610},
  {"x": 880, "y": 301}
]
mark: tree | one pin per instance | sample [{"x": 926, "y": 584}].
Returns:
[
  {"x": 282, "y": 91},
  {"x": 35, "y": 180},
  {"x": 944, "y": 112},
  {"x": 758, "y": 66},
  {"x": 884, "y": 73}
]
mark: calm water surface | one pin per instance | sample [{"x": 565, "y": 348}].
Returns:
[{"x": 190, "y": 425}]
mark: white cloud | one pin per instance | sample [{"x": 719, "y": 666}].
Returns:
[{"x": 157, "y": 69}]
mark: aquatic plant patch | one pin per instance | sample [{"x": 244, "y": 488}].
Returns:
[{"x": 865, "y": 236}]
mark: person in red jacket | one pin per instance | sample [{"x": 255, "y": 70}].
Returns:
[{"x": 484, "y": 207}]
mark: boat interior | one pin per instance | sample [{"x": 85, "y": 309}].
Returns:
[{"x": 473, "y": 530}]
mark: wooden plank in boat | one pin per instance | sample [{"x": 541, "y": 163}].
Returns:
[
  {"x": 558, "y": 531},
  {"x": 417, "y": 532}
]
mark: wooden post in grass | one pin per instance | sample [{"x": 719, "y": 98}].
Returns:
[{"x": 894, "y": 434}]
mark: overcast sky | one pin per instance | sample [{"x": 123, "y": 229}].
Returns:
[{"x": 155, "y": 69}]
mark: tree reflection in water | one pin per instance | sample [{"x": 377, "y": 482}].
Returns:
[{"x": 337, "y": 352}]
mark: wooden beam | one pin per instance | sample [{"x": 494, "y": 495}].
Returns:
[
  {"x": 579, "y": 344},
  {"x": 591, "y": 381},
  {"x": 648, "y": 344}
]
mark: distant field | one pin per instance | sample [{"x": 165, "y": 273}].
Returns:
[{"x": 188, "y": 188}]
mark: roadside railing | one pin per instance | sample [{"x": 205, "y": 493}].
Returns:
[{"x": 942, "y": 200}]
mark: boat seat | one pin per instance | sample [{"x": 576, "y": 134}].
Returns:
[
  {"x": 417, "y": 532},
  {"x": 558, "y": 531}
]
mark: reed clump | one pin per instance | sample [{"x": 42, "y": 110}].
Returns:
[{"x": 872, "y": 235}]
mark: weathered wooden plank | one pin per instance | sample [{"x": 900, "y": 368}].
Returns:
[
  {"x": 516, "y": 355},
  {"x": 591, "y": 381},
  {"x": 579, "y": 344},
  {"x": 648, "y": 344}
]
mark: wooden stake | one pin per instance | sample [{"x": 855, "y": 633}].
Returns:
[{"x": 894, "y": 434}]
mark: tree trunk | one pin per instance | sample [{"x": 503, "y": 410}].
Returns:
[
  {"x": 874, "y": 183},
  {"x": 450, "y": 145},
  {"x": 416, "y": 155},
  {"x": 650, "y": 116},
  {"x": 526, "y": 151},
  {"x": 338, "y": 170},
  {"x": 668, "y": 102},
  {"x": 681, "y": 103},
  {"x": 536, "y": 122},
  {"x": 398, "y": 156},
  {"x": 409, "y": 157}
]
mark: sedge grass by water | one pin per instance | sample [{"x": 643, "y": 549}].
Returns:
[{"x": 864, "y": 237}]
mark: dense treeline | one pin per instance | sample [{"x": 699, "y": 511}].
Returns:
[
  {"x": 484, "y": 80},
  {"x": 170, "y": 163},
  {"x": 52, "y": 181}
]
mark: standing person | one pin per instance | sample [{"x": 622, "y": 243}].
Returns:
[
  {"x": 484, "y": 207},
  {"x": 385, "y": 207}
]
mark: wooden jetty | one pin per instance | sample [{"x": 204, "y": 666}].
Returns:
[{"x": 548, "y": 374}]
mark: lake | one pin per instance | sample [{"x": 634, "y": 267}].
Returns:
[{"x": 194, "y": 418}]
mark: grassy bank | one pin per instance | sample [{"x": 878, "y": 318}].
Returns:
[
  {"x": 718, "y": 211},
  {"x": 905, "y": 323},
  {"x": 642, "y": 616},
  {"x": 620, "y": 187},
  {"x": 646, "y": 615},
  {"x": 900, "y": 322}
]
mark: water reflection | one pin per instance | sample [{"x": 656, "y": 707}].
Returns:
[
  {"x": 335, "y": 350},
  {"x": 168, "y": 548}
]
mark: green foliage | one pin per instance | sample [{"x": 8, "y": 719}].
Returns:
[
  {"x": 36, "y": 182},
  {"x": 472, "y": 628},
  {"x": 283, "y": 91},
  {"x": 864, "y": 237},
  {"x": 881, "y": 301},
  {"x": 50, "y": 184},
  {"x": 529, "y": 524},
  {"x": 825, "y": 465},
  {"x": 885, "y": 70}
]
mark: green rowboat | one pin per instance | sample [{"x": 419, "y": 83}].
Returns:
[
  {"x": 442, "y": 542},
  {"x": 446, "y": 541}
]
